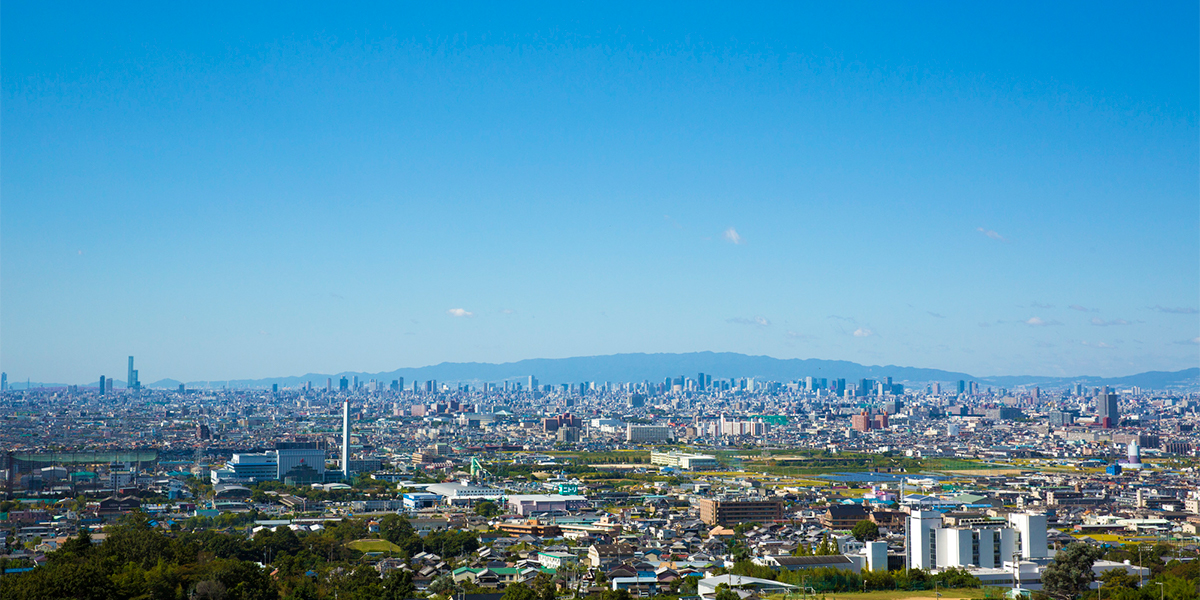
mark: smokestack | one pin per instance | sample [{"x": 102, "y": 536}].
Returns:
[{"x": 346, "y": 440}]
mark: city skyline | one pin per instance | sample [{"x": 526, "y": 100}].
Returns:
[{"x": 979, "y": 190}]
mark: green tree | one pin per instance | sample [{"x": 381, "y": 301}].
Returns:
[
  {"x": 1071, "y": 572},
  {"x": 610, "y": 594},
  {"x": 519, "y": 591},
  {"x": 398, "y": 585},
  {"x": 865, "y": 530},
  {"x": 724, "y": 593},
  {"x": 487, "y": 509}
]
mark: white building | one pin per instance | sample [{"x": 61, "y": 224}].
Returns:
[
  {"x": 647, "y": 433},
  {"x": 464, "y": 493},
  {"x": 685, "y": 461},
  {"x": 931, "y": 546},
  {"x": 1031, "y": 528}
]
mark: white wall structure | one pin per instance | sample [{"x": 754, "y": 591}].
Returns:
[
  {"x": 1031, "y": 528},
  {"x": 921, "y": 538},
  {"x": 954, "y": 547}
]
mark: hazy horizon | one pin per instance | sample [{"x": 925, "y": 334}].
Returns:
[{"x": 1005, "y": 190}]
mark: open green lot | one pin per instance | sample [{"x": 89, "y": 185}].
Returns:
[{"x": 369, "y": 545}]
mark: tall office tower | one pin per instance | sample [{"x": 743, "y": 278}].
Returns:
[
  {"x": 101, "y": 385},
  {"x": 400, "y": 384},
  {"x": 700, "y": 381},
  {"x": 343, "y": 384},
  {"x": 131, "y": 380},
  {"x": 108, "y": 386},
  {"x": 4, "y": 382},
  {"x": 346, "y": 440},
  {"x": 1106, "y": 410},
  {"x": 962, "y": 386},
  {"x": 329, "y": 384},
  {"x": 936, "y": 389},
  {"x": 355, "y": 383},
  {"x": 533, "y": 383}
]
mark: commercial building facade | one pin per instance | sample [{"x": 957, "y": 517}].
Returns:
[{"x": 731, "y": 512}]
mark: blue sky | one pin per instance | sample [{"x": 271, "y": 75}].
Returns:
[{"x": 235, "y": 191}]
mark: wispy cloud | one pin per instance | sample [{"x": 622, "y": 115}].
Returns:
[
  {"x": 1096, "y": 344},
  {"x": 935, "y": 315},
  {"x": 863, "y": 332},
  {"x": 1040, "y": 305},
  {"x": 1192, "y": 342},
  {"x": 759, "y": 321},
  {"x": 1040, "y": 322},
  {"x": 1102, "y": 323},
  {"x": 1081, "y": 308},
  {"x": 991, "y": 234},
  {"x": 798, "y": 336},
  {"x": 731, "y": 235},
  {"x": 460, "y": 312},
  {"x": 507, "y": 311},
  {"x": 841, "y": 318},
  {"x": 1178, "y": 310},
  {"x": 672, "y": 222}
]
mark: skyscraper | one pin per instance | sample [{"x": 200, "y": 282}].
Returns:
[
  {"x": 4, "y": 382},
  {"x": 102, "y": 388},
  {"x": 346, "y": 439},
  {"x": 1107, "y": 412},
  {"x": 131, "y": 379}
]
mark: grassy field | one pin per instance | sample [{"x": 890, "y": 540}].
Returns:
[
  {"x": 959, "y": 594},
  {"x": 373, "y": 546}
]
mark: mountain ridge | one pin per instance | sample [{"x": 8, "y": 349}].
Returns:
[{"x": 655, "y": 367}]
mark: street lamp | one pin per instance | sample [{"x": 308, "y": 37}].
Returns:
[{"x": 1162, "y": 590}]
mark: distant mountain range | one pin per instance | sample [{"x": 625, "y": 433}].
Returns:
[
  {"x": 656, "y": 367},
  {"x": 719, "y": 365}
]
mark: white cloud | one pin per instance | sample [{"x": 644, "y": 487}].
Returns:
[
  {"x": 731, "y": 234},
  {"x": 991, "y": 234},
  {"x": 863, "y": 332},
  {"x": 1040, "y": 322},
  {"x": 759, "y": 321},
  {"x": 1081, "y": 308},
  {"x": 1178, "y": 310},
  {"x": 460, "y": 312},
  {"x": 1097, "y": 345}
]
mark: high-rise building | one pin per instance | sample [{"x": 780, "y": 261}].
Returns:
[
  {"x": 1107, "y": 413},
  {"x": 533, "y": 383},
  {"x": 343, "y": 384},
  {"x": 962, "y": 386},
  {"x": 131, "y": 381},
  {"x": 4, "y": 382},
  {"x": 102, "y": 388},
  {"x": 345, "y": 438}
]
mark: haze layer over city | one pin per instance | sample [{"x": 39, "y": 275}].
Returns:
[{"x": 704, "y": 302}]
